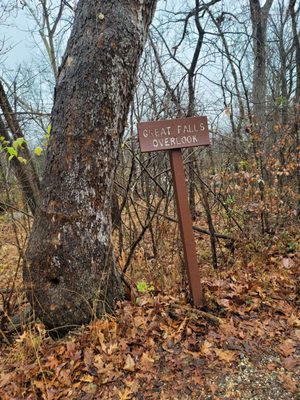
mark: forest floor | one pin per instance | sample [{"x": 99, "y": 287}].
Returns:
[{"x": 245, "y": 344}]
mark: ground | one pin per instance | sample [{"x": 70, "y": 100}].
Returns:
[{"x": 245, "y": 343}]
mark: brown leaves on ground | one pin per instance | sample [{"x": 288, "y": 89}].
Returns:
[
  {"x": 245, "y": 346},
  {"x": 157, "y": 349}
]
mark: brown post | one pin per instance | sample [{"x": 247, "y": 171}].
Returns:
[
  {"x": 185, "y": 224},
  {"x": 172, "y": 135}
]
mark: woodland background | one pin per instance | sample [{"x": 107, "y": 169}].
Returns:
[{"x": 239, "y": 64}]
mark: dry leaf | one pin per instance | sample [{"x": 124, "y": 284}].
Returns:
[
  {"x": 288, "y": 383},
  {"x": 213, "y": 388},
  {"x": 132, "y": 385},
  {"x": 88, "y": 357},
  {"x": 87, "y": 378},
  {"x": 102, "y": 341},
  {"x": 224, "y": 303},
  {"x": 90, "y": 388},
  {"x": 39, "y": 385},
  {"x": 290, "y": 363},
  {"x": 6, "y": 378},
  {"x": 206, "y": 348},
  {"x": 98, "y": 363},
  {"x": 287, "y": 348},
  {"x": 197, "y": 379},
  {"x": 112, "y": 349},
  {"x": 146, "y": 360},
  {"x": 225, "y": 355},
  {"x": 272, "y": 366},
  {"x": 52, "y": 362},
  {"x": 125, "y": 395},
  {"x": 139, "y": 321},
  {"x": 294, "y": 321},
  {"x": 288, "y": 263},
  {"x": 129, "y": 364}
]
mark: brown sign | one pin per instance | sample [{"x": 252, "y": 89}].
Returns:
[{"x": 173, "y": 134}]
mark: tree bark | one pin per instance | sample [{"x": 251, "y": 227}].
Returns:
[
  {"x": 259, "y": 18},
  {"x": 296, "y": 129},
  {"x": 69, "y": 271},
  {"x": 26, "y": 174}
]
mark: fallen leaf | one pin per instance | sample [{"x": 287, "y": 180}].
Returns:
[
  {"x": 87, "y": 378},
  {"x": 288, "y": 263},
  {"x": 288, "y": 383},
  {"x": 125, "y": 395},
  {"x": 287, "y": 348},
  {"x": 146, "y": 360},
  {"x": 6, "y": 378},
  {"x": 197, "y": 379},
  {"x": 290, "y": 363},
  {"x": 139, "y": 321},
  {"x": 39, "y": 385},
  {"x": 98, "y": 363},
  {"x": 206, "y": 348},
  {"x": 272, "y": 367},
  {"x": 102, "y": 342},
  {"x": 129, "y": 364},
  {"x": 224, "y": 303},
  {"x": 294, "y": 321},
  {"x": 225, "y": 355},
  {"x": 90, "y": 388},
  {"x": 213, "y": 388},
  {"x": 88, "y": 357}
]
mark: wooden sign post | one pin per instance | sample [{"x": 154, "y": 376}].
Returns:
[{"x": 172, "y": 135}]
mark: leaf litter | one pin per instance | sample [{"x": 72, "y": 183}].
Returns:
[
  {"x": 244, "y": 345},
  {"x": 160, "y": 348}
]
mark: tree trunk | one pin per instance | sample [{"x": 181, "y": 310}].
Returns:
[
  {"x": 69, "y": 271},
  {"x": 259, "y": 18},
  {"x": 297, "y": 95},
  {"x": 26, "y": 174}
]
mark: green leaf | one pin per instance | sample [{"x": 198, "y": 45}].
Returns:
[
  {"x": 38, "y": 151},
  {"x": 142, "y": 286},
  {"x": 49, "y": 129},
  {"x": 12, "y": 152},
  {"x": 18, "y": 143},
  {"x": 22, "y": 160}
]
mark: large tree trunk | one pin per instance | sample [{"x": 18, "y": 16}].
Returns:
[
  {"x": 296, "y": 126},
  {"x": 259, "y": 19},
  {"x": 69, "y": 270}
]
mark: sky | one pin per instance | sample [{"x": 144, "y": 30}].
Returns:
[{"x": 15, "y": 32}]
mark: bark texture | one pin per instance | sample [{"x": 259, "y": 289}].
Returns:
[
  {"x": 259, "y": 19},
  {"x": 69, "y": 270},
  {"x": 26, "y": 174}
]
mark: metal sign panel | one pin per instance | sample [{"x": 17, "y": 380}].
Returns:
[{"x": 173, "y": 134}]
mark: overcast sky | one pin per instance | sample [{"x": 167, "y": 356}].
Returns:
[{"x": 17, "y": 32}]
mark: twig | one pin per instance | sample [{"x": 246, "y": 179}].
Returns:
[
  {"x": 6, "y": 205},
  {"x": 195, "y": 228}
]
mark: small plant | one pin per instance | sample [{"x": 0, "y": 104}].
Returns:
[
  {"x": 144, "y": 287},
  {"x": 12, "y": 151},
  {"x": 292, "y": 247}
]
